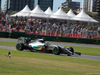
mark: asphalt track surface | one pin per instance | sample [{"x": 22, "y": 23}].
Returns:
[{"x": 63, "y": 44}]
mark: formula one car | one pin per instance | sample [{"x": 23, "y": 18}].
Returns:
[{"x": 43, "y": 46}]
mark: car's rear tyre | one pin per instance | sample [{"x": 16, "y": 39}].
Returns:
[
  {"x": 56, "y": 51},
  {"x": 20, "y": 46}
]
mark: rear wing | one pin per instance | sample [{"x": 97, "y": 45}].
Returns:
[{"x": 24, "y": 40}]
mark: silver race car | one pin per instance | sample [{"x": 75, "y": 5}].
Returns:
[{"x": 43, "y": 46}]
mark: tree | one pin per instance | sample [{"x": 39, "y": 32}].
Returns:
[
  {"x": 94, "y": 15},
  {"x": 14, "y": 12},
  {"x": 67, "y": 9}
]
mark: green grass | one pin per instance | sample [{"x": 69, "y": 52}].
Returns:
[
  {"x": 8, "y": 43},
  {"x": 30, "y": 63},
  {"x": 83, "y": 50}
]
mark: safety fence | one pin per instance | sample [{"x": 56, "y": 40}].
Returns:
[
  {"x": 59, "y": 34},
  {"x": 54, "y": 34},
  {"x": 49, "y": 33},
  {"x": 50, "y": 38}
]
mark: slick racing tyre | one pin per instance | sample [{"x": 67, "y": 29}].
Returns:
[
  {"x": 71, "y": 49},
  {"x": 56, "y": 51},
  {"x": 20, "y": 46}
]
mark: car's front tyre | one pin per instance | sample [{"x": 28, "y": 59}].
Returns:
[
  {"x": 56, "y": 51},
  {"x": 71, "y": 49}
]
